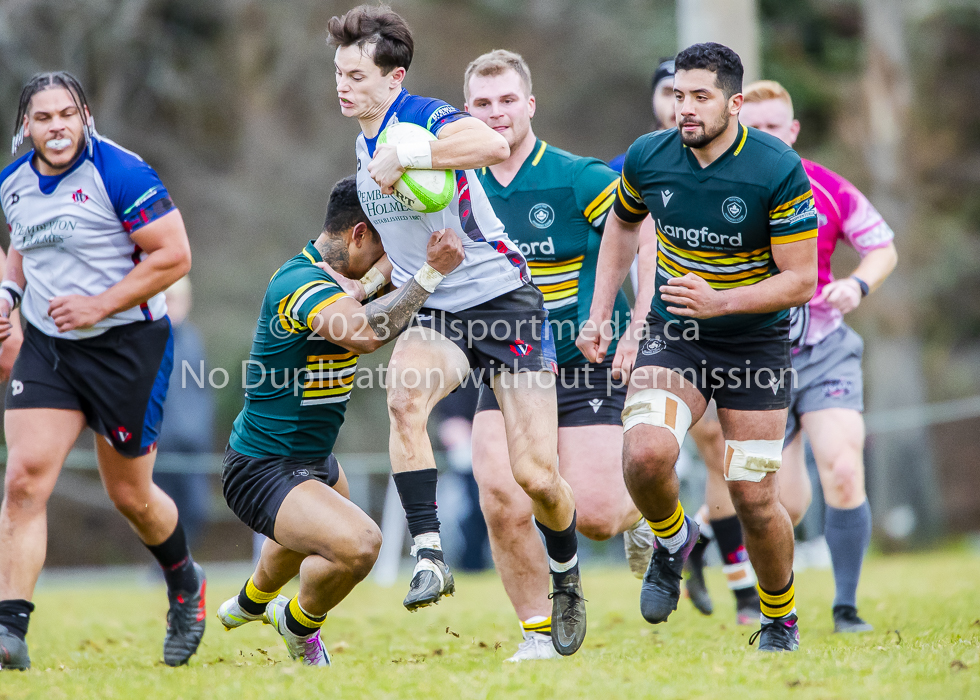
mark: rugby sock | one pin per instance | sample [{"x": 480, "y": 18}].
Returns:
[
  {"x": 537, "y": 624},
  {"x": 300, "y": 622},
  {"x": 417, "y": 491},
  {"x": 672, "y": 531},
  {"x": 776, "y": 604},
  {"x": 175, "y": 559},
  {"x": 562, "y": 546},
  {"x": 848, "y": 532},
  {"x": 429, "y": 546},
  {"x": 15, "y": 615},
  {"x": 252, "y": 600},
  {"x": 735, "y": 560}
]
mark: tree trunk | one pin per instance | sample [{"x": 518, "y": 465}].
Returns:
[{"x": 734, "y": 23}]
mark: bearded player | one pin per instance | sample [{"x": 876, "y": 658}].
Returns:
[
  {"x": 553, "y": 205},
  {"x": 736, "y": 231},
  {"x": 486, "y": 316}
]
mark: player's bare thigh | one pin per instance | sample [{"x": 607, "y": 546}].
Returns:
[
  {"x": 501, "y": 497},
  {"x": 795, "y": 490},
  {"x": 590, "y": 458},
  {"x": 529, "y": 404},
  {"x": 38, "y": 441},
  {"x": 837, "y": 439},
  {"x": 424, "y": 365}
]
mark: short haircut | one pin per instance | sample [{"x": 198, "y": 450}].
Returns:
[
  {"x": 719, "y": 59},
  {"x": 495, "y": 63},
  {"x": 344, "y": 208},
  {"x": 378, "y": 25},
  {"x": 762, "y": 90}
]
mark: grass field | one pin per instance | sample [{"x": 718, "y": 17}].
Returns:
[{"x": 104, "y": 641}]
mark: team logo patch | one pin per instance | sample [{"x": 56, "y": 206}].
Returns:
[
  {"x": 121, "y": 434},
  {"x": 734, "y": 210},
  {"x": 596, "y": 404},
  {"x": 301, "y": 472},
  {"x": 837, "y": 388},
  {"x": 520, "y": 348},
  {"x": 16, "y": 387},
  {"x": 14, "y": 198},
  {"x": 79, "y": 196},
  {"x": 653, "y": 346},
  {"x": 541, "y": 216}
]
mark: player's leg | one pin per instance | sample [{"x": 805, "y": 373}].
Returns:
[
  {"x": 529, "y": 406},
  {"x": 837, "y": 438},
  {"x": 153, "y": 515},
  {"x": 660, "y": 407},
  {"x": 706, "y": 434},
  {"x": 424, "y": 367},
  {"x": 38, "y": 440},
  {"x": 795, "y": 490},
  {"x": 518, "y": 554},
  {"x": 753, "y": 454}
]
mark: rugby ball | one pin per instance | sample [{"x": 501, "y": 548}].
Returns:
[{"x": 424, "y": 191}]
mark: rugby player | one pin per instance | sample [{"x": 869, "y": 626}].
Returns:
[
  {"x": 280, "y": 476},
  {"x": 827, "y": 401},
  {"x": 553, "y": 205},
  {"x": 486, "y": 316},
  {"x": 736, "y": 231},
  {"x": 94, "y": 241}
]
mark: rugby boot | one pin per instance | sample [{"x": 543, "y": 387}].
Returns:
[
  {"x": 846, "y": 620},
  {"x": 662, "y": 583},
  {"x": 697, "y": 589},
  {"x": 536, "y": 646},
  {"x": 231, "y": 614},
  {"x": 185, "y": 622},
  {"x": 431, "y": 580},
  {"x": 307, "y": 648},
  {"x": 638, "y": 542},
  {"x": 13, "y": 652},
  {"x": 781, "y": 634},
  {"x": 567, "y": 611},
  {"x": 747, "y": 607}
]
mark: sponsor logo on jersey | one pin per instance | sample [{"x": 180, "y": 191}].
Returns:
[
  {"x": 700, "y": 236},
  {"x": 79, "y": 197},
  {"x": 653, "y": 346},
  {"x": 666, "y": 195},
  {"x": 546, "y": 247},
  {"x": 121, "y": 434},
  {"x": 734, "y": 210},
  {"x": 16, "y": 387},
  {"x": 596, "y": 404},
  {"x": 541, "y": 215},
  {"x": 440, "y": 113},
  {"x": 142, "y": 198},
  {"x": 803, "y": 210},
  {"x": 375, "y": 204},
  {"x": 520, "y": 348}
]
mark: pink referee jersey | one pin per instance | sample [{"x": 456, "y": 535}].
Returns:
[{"x": 843, "y": 213}]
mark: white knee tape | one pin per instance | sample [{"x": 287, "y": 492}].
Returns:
[
  {"x": 658, "y": 408},
  {"x": 751, "y": 460}
]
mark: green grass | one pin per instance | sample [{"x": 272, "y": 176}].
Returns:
[{"x": 106, "y": 643}]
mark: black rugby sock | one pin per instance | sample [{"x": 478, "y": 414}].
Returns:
[
  {"x": 15, "y": 615},
  {"x": 562, "y": 545},
  {"x": 174, "y": 558},
  {"x": 417, "y": 491}
]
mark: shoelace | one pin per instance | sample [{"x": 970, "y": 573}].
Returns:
[
  {"x": 313, "y": 651},
  {"x": 780, "y": 627},
  {"x": 662, "y": 556}
]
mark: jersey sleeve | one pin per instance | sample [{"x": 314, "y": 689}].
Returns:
[
  {"x": 861, "y": 224},
  {"x": 629, "y": 205},
  {"x": 430, "y": 113},
  {"x": 595, "y": 191},
  {"x": 792, "y": 212},
  {"x": 134, "y": 188},
  {"x": 302, "y": 295}
]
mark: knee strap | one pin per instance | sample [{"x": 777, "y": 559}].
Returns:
[
  {"x": 751, "y": 460},
  {"x": 660, "y": 409}
]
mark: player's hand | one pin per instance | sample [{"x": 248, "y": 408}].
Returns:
[
  {"x": 6, "y": 327},
  {"x": 444, "y": 251},
  {"x": 693, "y": 297},
  {"x": 844, "y": 295},
  {"x": 384, "y": 168},
  {"x": 592, "y": 341},
  {"x": 629, "y": 345},
  {"x": 76, "y": 311},
  {"x": 353, "y": 288}
]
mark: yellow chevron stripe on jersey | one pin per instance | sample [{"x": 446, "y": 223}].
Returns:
[
  {"x": 285, "y": 321},
  {"x": 338, "y": 383},
  {"x": 600, "y": 201},
  {"x": 537, "y": 158},
  {"x": 762, "y": 255},
  {"x": 793, "y": 237},
  {"x": 546, "y": 288},
  {"x": 321, "y": 306},
  {"x": 714, "y": 276},
  {"x": 331, "y": 358},
  {"x": 295, "y": 296},
  {"x": 550, "y": 264},
  {"x": 788, "y": 205},
  {"x": 621, "y": 196},
  {"x": 554, "y": 296}
]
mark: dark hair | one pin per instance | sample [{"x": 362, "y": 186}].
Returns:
[
  {"x": 344, "y": 208},
  {"x": 665, "y": 69},
  {"x": 41, "y": 82},
  {"x": 381, "y": 26},
  {"x": 720, "y": 60}
]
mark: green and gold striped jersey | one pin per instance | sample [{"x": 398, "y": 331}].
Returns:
[
  {"x": 297, "y": 383},
  {"x": 718, "y": 222},
  {"x": 554, "y": 210}
]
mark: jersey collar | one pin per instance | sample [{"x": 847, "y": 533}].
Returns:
[
  {"x": 372, "y": 143},
  {"x": 312, "y": 254},
  {"x": 703, "y": 174},
  {"x": 48, "y": 183},
  {"x": 527, "y": 166}
]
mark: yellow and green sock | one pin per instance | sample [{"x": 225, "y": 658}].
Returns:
[
  {"x": 539, "y": 624},
  {"x": 671, "y": 531},
  {"x": 300, "y": 622},
  {"x": 775, "y": 604},
  {"x": 252, "y": 600}
]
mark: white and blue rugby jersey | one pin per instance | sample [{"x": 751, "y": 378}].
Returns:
[
  {"x": 73, "y": 230},
  {"x": 493, "y": 264}
]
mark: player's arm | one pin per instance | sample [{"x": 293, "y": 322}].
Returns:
[
  {"x": 846, "y": 294},
  {"x": 374, "y": 279},
  {"x": 168, "y": 258},
  {"x": 646, "y": 274},
  {"x": 11, "y": 292},
  {"x": 365, "y": 328}
]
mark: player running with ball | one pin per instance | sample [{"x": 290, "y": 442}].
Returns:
[
  {"x": 486, "y": 315},
  {"x": 737, "y": 233}
]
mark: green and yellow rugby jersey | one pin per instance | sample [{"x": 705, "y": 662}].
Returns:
[
  {"x": 554, "y": 210},
  {"x": 297, "y": 382},
  {"x": 718, "y": 222}
]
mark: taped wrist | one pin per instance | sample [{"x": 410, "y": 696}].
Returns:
[
  {"x": 372, "y": 281},
  {"x": 12, "y": 292},
  {"x": 415, "y": 156},
  {"x": 429, "y": 278}
]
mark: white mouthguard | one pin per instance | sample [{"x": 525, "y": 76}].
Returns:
[{"x": 58, "y": 144}]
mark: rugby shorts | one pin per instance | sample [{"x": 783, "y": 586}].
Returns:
[
  {"x": 509, "y": 333},
  {"x": 743, "y": 372},
  {"x": 587, "y": 395},
  {"x": 255, "y": 487},
  {"x": 828, "y": 375},
  {"x": 117, "y": 379}
]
